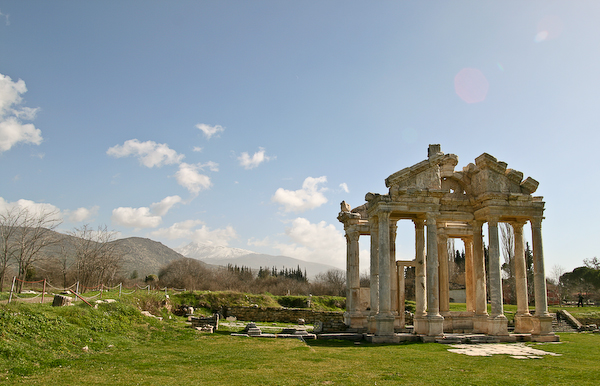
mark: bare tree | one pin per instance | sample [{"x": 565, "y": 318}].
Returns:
[
  {"x": 96, "y": 257},
  {"x": 9, "y": 224},
  {"x": 34, "y": 232},
  {"x": 332, "y": 282}
]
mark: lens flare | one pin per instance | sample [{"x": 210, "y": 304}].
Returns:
[
  {"x": 550, "y": 27},
  {"x": 471, "y": 85}
]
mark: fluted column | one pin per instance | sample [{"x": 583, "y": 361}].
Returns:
[
  {"x": 352, "y": 271},
  {"x": 539, "y": 275},
  {"x": 385, "y": 303},
  {"x": 469, "y": 274},
  {"x": 434, "y": 319},
  {"x": 497, "y": 323},
  {"x": 523, "y": 322},
  {"x": 443, "y": 271},
  {"x": 384, "y": 318},
  {"x": 494, "y": 268},
  {"x": 374, "y": 268},
  {"x": 480, "y": 321},
  {"x": 433, "y": 289},
  {"x": 420, "y": 265},
  {"x": 401, "y": 294},
  {"x": 520, "y": 270},
  {"x": 393, "y": 268}
]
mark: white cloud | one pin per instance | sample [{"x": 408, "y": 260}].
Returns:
[
  {"x": 309, "y": 197},
  {"x": 161, "y": 208},
  {"x": 209, "y": 131},
  {"x": 251, "y": 162},
  {"x": 344, "y": 187},
  {"x": 34, "y": 208},
  {"x": 197, "y": 149},
  {"x": 81, "y": 214},
  {"x": 202, "y": 235},
  {"x": 12, "y": 130},
  {"x": 179, "y": 230},
  {"x": 260, "y": 243},
  {"x": 189, "y": 177},
  {"x": 319, "y": 242},
  {"x": 135, "y": 217},
  {"x": 149, "y": 153}
]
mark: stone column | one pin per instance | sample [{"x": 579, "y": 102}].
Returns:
[
  {"x": 443, "y": 271},
  {"x": 434, "y": 319},
  {"x": 393, "y": 268},
  {"x": 522, "y": 317},
  {"x": 401, "y": 294},
  {"x": 420, "y": 282},
  {"x": 542, "y": 321},
  {"x": 352, "y": 275},
  {"x": 374, "y": 273},
  {"x": 480, "y": 319},
  {"x": 498, "y": 324},
  {"x": 384, "y": 318},
  {"x": 469, "y": 274}
]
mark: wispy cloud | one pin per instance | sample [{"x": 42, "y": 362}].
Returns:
[
  {"x": 149, "y": 153},
  {"x": 203, "y": 235},
  {"x": 309, "y": 197},
  {"x": 250, "y": 162},
  {"x": 161, "y": 208},
  {"x": 12, "y": 130},
  {"x": 210, "y": 131},
  {"x": 137, "y": 218},
  {"x": 344, "y": 187}
]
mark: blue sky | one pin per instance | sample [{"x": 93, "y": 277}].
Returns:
[{"x": 247, "y": 123}]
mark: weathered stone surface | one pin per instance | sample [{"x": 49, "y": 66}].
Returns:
[{"x": 61, "y": 300}]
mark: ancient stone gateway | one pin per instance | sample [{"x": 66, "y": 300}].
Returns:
[{"x": 444, "y": 203}]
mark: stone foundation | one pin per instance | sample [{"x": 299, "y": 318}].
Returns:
[{"x": 324, "y": 321}]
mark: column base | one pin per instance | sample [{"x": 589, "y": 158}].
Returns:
[
  {"x": 542, "y": 325},
  {"x": 384, "y": 324},
  {"x": 371, "y": 324},
  {"x": 523, "y": 324},
  {"x": 355, "y": 320},
  {"x": 480, "y": 324},
  {"x": 420, "y": 325},
  {"x": 497, "y": 325},
  {"x": 435, "y": 325}
]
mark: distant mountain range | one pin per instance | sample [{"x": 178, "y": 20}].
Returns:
[
  {"x": 148, "y": 256},
  {"x": 219, "y": 255}
]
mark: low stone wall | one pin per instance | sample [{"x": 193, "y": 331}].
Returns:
[{"x": 324, "y": 321}]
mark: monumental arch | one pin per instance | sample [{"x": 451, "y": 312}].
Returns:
[{"x": 444, "y": 203}]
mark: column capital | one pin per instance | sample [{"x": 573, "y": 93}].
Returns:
[
  {"x": 494, "y": 220},
  {"x": 518, "y": 224},
  {"x": 352, "y": 235},
  {"x": 536, "y": 222},
  {"x": 419, "y": 222}
]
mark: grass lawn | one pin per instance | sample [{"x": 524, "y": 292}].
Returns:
[
  {"x": 219, "y": 359},
  {"x": 41, "y": 345}
]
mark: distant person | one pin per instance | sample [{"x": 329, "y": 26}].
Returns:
[
  {"x": 580, "y": 301},
  {"x": 558, "y": 317}
]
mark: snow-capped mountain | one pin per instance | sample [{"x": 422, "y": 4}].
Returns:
[{"x": 212, "y": 252}]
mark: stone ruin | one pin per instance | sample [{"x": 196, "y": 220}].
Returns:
[{"x": 444, "y": 203}]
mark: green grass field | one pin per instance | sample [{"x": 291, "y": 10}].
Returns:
[{"x": 44, "y": 346}]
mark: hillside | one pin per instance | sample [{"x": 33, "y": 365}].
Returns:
[{"x": 144, "y": 255}]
